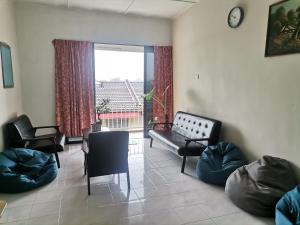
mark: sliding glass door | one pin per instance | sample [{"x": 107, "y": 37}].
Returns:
[{"x": 148, "y": 86}]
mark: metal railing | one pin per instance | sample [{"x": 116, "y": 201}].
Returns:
[{"x": 124, "y": 115}]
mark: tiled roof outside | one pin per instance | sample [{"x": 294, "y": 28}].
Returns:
[{"x": 124, "y": 96}]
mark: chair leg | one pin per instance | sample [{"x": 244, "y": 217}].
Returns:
[
  {"x": 88, "y": 185},
  {"x": 151, "y": 142},
  {"x": 128, "y": 180},
  {"x": 183, "y": 164},
  {"x": 57, "y": 159},
  {"x": 85, "y": 159}
]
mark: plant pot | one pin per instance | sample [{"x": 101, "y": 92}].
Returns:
[{"x": 97, "y": 126}]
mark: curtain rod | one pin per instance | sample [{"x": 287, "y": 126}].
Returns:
[
  {"x": 112, "y": 43},
  {"x": 106, "y": 43}
]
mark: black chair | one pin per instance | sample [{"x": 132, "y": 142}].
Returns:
[
  {"x": 22, "y": 134},
  {"x": 107, "y": 154}
]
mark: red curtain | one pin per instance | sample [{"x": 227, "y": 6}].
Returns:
[
  {"x": 163, "y": 78},
  {"x": 74, "y": 85}
]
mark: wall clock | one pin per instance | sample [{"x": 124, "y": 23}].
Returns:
[{"x": 235, "y": 17}]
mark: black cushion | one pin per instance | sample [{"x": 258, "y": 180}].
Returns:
[{"x": 177, "y": 142}]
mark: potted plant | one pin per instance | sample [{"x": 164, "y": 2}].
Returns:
[
  {"x": 102, "y": 108},
  {"x": 161, "y": 100}
]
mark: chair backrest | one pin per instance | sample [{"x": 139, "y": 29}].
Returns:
[
  {"x": 20, "y": 128},
  {"x": 108, "y": 153}
]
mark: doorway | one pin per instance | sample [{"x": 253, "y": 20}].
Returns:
[{"x": 123, "y": 74}]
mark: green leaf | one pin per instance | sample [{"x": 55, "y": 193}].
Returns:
[{"x": 149, "y": 95}]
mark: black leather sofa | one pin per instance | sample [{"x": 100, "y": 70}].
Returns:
[
  {"x": 188, "y": 135},
  {"x": 22, "y": 134}
]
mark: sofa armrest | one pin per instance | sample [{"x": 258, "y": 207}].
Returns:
[
  {"x": 165, "y": 124},
  {"x": 189, "y": 140},
  {"x": 197, "y": 139}
]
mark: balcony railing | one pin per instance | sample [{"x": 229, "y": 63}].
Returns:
[{"x": 124, "y": 115}]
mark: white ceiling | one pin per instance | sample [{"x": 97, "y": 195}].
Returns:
[{"x": 157, "y": 8}]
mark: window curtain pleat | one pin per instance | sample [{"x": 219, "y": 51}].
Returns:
[
  {"x": 74, "y": 85},
  {"x": 163, "y": 78}
]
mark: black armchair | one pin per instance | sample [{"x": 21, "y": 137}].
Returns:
[
  {"x": 108, "y": 154},
  {"x": 21, "y": 133}
]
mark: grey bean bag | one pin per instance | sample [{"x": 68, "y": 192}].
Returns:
[{"x": 257, "y": 187}]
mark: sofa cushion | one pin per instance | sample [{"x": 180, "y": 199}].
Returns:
[
  {"x": 288, "y": 208},
  {"x": 177, "y": 142},
  {"x": 257, "y": 187},
  {"x": 217, "y": 162}
]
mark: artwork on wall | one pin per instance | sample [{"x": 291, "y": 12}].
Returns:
[
  {"x": 283, "y": 35},
  {"x": 6, "y": 65}
]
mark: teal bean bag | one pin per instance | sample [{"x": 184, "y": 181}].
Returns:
[
  {"x": 217, "y": 162},
  {"x": 288, "y": 208},
  {"x": 25, "y": 169}
]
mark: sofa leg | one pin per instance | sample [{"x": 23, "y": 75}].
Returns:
[
  {"x": 57, "y": 159},
  {"x": 151, "y": 142},
  {"x": 183, "y": 164}
]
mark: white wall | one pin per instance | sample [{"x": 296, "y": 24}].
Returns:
[
  {"x": 38, "y": 25},
  {"x": 10, "y": 98},
  {"x": 257, "y": 98}
]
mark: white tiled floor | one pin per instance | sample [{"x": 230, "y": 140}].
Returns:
[{"x": 160, "y": 194}]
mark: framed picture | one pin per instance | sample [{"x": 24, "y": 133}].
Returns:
[
  {"x": 6, "y": 65},
  {"x": 283, "y": 35}
]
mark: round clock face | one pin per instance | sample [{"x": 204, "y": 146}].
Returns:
[{"x": 235, "y": 17}]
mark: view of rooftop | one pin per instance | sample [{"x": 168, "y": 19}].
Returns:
[{"x": 123, "y": 95}]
